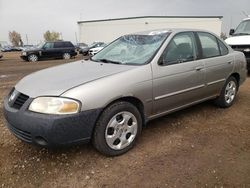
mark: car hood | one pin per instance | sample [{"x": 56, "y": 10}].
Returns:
[
  {"x": 238, "y": 40},
  {"x": 97, "y": 48},
  {"x": 56, "y": 80},
  {"x": 32, "y": 49}
]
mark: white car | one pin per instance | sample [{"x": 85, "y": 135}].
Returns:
[
  {"x": 240, "y": 39},
  {"x": 94, "y": 51}
]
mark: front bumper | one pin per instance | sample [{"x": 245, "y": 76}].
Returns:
[
  {"x": 24, "y": 57},
  {"x": 50, "y": 130},
  {"x": 248, "y": 63}
]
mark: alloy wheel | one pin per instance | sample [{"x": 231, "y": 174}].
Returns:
[{"x": 121, "y": 130}]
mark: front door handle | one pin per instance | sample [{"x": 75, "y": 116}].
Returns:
[{"x": 198, "y": 68}]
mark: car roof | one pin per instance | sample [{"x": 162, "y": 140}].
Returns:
[
  {"x": 169, "y": 30},
  {"x": 58, "y": 41},
  {"x": 248, "y": 18}
]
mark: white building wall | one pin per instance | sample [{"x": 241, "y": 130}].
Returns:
[{"x": 108, "y": 31}]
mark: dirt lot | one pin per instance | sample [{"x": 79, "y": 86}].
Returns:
[{"x": 202, "y": 146}]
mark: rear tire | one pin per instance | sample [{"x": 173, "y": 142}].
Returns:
[
  {"x": 117, "y": 129},
  {"x": 66, "y": 56},
  {"x": 228, "y": 93}
]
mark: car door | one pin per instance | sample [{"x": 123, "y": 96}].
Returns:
[
  {"x": 59, "y": 49},
  {"x": 178, "y": 78},
  {"x": 218, "y": 63},
  {"x": 48, "y": 50}
]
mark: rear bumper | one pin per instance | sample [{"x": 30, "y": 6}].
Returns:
[
  {"x": 74, "y": 54},
  {"x": 50, "y": 130}
]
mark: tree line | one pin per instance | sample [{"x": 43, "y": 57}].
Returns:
[{"x": 16, "y": 38}]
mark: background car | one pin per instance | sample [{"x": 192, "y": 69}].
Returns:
[
  {"x": 240, "y": 39},
  {"x": 26, "y": 47},
  {"x": 85, "y": 51},
  {"x": 80, "y": 46},
  {"x": 7, "y": 49},
  {"x": 57, "y": 49},
  {"x": 94, "y": 51}
]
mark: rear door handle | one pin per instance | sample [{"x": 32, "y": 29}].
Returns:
[
  {"x": 198, "y": 68},
  {"x": 230, "y": 62}
]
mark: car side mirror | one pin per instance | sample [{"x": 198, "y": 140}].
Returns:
[{"x": 231, "y": 32}]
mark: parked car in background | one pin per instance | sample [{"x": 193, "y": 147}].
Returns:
[
  {"x": 10, "y": 48},
  {"x": 94, "y": 51},
  {"x": 57, "y": 49},
  {"x": 7, "y": 49},
  {"x": 27, "y": 47},
  {"x": 85, "y": 51},
  {"x": 240, "y": 39},
  {"x": 81, "y": 46},
  {"x": 135, "y": 79},
  {"x": 16, "y": 48}
]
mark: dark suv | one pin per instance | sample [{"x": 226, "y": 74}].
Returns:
[{"x": 58, "y": 49}]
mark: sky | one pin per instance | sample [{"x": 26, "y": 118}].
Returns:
[{"x": 32, "y": 18}]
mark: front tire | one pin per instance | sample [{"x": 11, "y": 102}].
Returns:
[
  {"x": 228, "y": 93},
  {"x": 32, "y": 58},
  {"x": 117, "y": 129}
]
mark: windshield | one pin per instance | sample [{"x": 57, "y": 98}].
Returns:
[
  {"x": 243, "y": 28},
  {"x": 40, "y": 45},
  {"x": 131, "y": 49}
]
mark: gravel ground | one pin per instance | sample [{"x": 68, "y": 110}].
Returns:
[{"x": 202, "y": 146}]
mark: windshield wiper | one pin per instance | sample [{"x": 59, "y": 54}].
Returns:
[{"x": 108, "y": 61}]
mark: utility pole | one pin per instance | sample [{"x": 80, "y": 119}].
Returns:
[
  {"x": 76, "y": 38},
  {"x": 27, "y": 40}
]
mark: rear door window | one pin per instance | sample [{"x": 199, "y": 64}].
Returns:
[
  {"x": 223, "y": 48},
  {"x": 58, "y": 45},
  {"x": 209, "y": 45},
  {"x": 68, "y": 44}
]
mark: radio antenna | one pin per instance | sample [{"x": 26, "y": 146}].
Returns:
[{"x": 247, "y": 15}]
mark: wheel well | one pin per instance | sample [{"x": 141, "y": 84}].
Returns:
[
  {"x": 136, "y": 102},
  {"x": 237, "y": 77}
]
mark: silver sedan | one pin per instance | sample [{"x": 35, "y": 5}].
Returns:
[{"x": 136, "y": 78}]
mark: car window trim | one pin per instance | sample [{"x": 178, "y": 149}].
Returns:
[
  {"x": 218, "y": 40},
  {"x": 196, "y": 50},
  {"x": 202, "y": 48}
]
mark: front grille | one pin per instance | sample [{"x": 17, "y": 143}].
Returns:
[
  {"x": 240, "y": 47},
  {"x": 20, "y": 100},
  {"x": 23, "y": 135},
  {"x": 17, "y": 99}
]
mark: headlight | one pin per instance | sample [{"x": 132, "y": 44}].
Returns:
[
  {"x": 247, "y": 50},
  {"x": 54, "y": 105}
]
